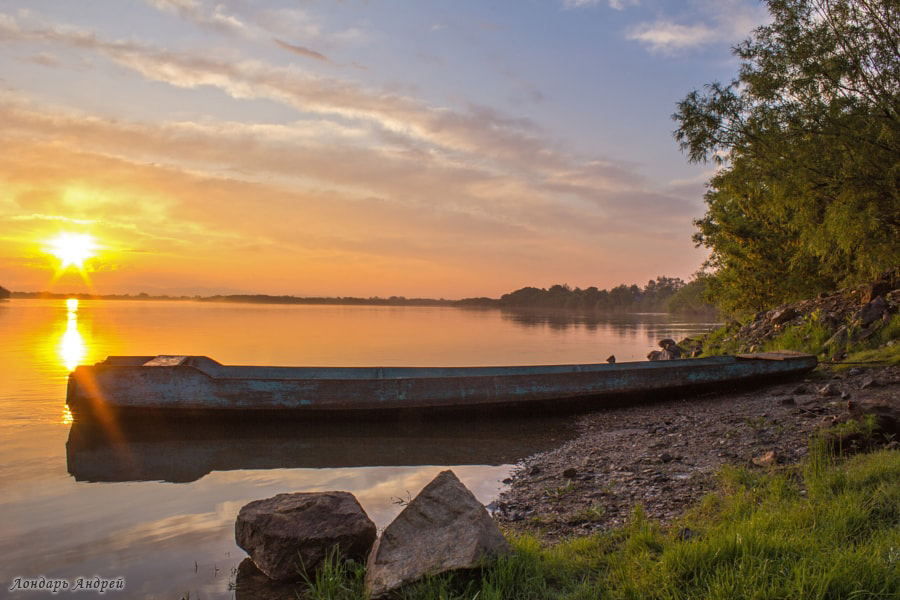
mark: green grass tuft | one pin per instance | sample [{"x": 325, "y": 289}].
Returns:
[{"x": 336, "y": 579}]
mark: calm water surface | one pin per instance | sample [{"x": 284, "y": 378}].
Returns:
[{"x": 156, "y": 506}]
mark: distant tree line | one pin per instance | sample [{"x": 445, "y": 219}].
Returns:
[
  {"x": 345, "y": 300},
  {"x": 664, "y": 294},
  {"x": 4, "y": 293}
]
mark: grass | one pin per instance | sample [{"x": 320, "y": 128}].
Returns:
[
  {"x": 338, "y": 578},
  {"x": 810, "y": 336},
  {"x": 882, "y": 346},
  {"x": 827, "y": 529}
]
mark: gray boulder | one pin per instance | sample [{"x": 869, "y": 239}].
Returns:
[
  {"x": 442, "y": 529},
  {"x": 289, "y": 532},
  {"x": 870, "y": 312},
  {"x": 670, "y": 354},
  {"x": 783, "y": 315}
]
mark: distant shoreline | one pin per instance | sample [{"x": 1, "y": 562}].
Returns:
[
  {"x": 267, "y": 299},
  {"x": 656, "y": 297}
]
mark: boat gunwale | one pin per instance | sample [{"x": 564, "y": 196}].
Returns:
[{"x": 217, "y": 371}]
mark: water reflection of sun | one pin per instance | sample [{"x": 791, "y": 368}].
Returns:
[{"x": 71, "y": 346}]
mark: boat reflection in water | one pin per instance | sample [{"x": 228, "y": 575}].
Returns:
[{"x": 181, "y": 452}]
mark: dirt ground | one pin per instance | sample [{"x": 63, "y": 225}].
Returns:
[{"x": 665, "y": 455}]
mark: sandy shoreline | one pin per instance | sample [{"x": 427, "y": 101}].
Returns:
[{"x": 665, "y": 455}]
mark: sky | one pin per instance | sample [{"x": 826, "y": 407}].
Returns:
[{"x": 442, "y": 149}]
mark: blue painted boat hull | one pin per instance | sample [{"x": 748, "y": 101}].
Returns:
[{"x": 185, "y": 384}]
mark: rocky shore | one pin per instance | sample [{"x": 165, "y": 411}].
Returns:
[{"x": 664, "y": 456}]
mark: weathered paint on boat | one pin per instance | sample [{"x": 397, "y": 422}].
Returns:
[{"x": 197, "y": 383}]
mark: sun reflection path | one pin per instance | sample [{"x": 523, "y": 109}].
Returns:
[{"x": 71, "y": 346}]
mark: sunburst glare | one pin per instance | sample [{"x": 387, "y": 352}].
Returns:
[{"x": 72, "y": 249}]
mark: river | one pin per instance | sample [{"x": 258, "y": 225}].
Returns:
[{"x": 154, "y": 508}]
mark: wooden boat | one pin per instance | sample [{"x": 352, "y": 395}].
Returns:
[{"x": 197, "y": 384}]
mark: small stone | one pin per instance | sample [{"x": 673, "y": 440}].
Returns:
[
  {"x": 569, "y": 473},
  {"x": 788, "y": 401},
  {"x": 870, "y": 382},
  {"x": 534, "y": 470},
  {"x": 830, "y": 389},
  {"x": 611, "y": 359},
  {"x": 766, "y": 460},
  {"x": 800, "y": 390}
]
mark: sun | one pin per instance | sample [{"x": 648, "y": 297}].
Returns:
[{"x": 72, "y": 249}]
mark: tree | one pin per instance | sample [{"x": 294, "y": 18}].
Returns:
[{"x": 807, "y": 138}]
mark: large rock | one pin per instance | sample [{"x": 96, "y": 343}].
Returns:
[
  {"x": 870, "y": 312},
  {"x": 289, "y": 532},
  {"x": 783, "y": 315},
  {"x": 442, "y": 529}
]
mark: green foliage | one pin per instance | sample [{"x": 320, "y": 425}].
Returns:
[
  {"x": 336, "y": 579},
  {"x": 810, "y": 337},
  {"x": 808, "y": 140},
  {"x": 723, "y": 340},
  {"x": 693, "y": 298}
]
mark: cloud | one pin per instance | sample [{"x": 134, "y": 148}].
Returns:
[
  {"x": 664, "y": 36},
  {"x": 214, "y": 18},
  {"x": 614, "y": 4},
  {"x": 300, "y": 50},
  {"x": 476, "y": 130},
  {"x": 701, "y": 23}
]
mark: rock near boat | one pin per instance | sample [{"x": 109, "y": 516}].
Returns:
[
  {"x": 289, "y": 534},
  {"x": 442, "y": 529}
]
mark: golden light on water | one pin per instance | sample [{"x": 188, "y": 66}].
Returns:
[
  {"x": 71, "y": 346},
  {"x": 67, "y": 417}
]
